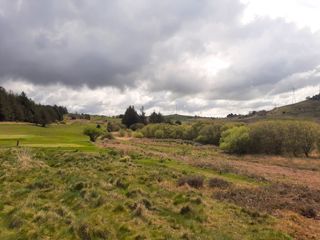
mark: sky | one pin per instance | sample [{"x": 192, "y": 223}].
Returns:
[{"x": 195, "y": 57}]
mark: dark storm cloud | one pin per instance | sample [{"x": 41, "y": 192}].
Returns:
[
  {"x": 166, "y": 45},
  {"x": 99, "y": 43},
  {"x": 103, "y": 43}
]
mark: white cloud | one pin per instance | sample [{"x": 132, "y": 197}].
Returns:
[
  {"x": 304, "y": 13},
  {"x": 206, "y": 57}
]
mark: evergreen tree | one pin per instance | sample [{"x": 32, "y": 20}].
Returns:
[
  {"x": 20, "y": 108},
  {"x": 130, "y": 117},
  {"x": 142, "y": 116},
  {"x": 156, "y": 118}
]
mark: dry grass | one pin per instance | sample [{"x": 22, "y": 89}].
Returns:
[
  {"x": 129, "y": 190},
  {"x": 299, "y": 199},
  {"x": 26, "y": 161}
]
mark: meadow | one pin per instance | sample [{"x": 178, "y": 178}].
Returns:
[
  {"x": 54, "y": 136},
  {"x": 59, "y": 185}
]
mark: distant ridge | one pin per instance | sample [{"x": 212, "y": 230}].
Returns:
[
  {"x": 183, "y": 118},
  {"x": 307, "y": 109}
]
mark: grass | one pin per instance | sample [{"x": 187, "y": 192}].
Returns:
[
  {"x": 54, "y": 136},
  {"x": 70, "y": 195},
  {"x": 58, "y": 185}
]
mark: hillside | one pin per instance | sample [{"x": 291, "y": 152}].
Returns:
[
  {"x": 304, "y": 109},
  {"x": 308, "y": 109},
  {"x": 183, "y": 118}
]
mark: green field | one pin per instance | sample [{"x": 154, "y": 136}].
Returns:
[
  {"x": 58, "y": 185},
  {"x": 66, "y": 136}
]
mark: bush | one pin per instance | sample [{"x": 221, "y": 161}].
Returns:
[
  {"x": 129, "y": 133},
  {"x": 137, "y": 126},
  {"x": 138, "y": 135},
  {"x": 192, "y": 181},
  {"x": 284, "y": 137},
  {"x": 113, "y": 126},
  {"x": 218, "y": 183},
  {"x": 165, "y": 131},
  {"x": 159, "y": 134},
  {"x": 92, "y": 132},
  {"x": 230, "y": 125},
  {"x": 267, "y": 137},
  {"x": 209, "y": 134},
  {"x": 107, "y": 135},
  {"x": 308, "y": 136},
  {"x": 178, "y": 122},
  {"x": 235, "y": 140},
  {"x": 122, "y": 133}
]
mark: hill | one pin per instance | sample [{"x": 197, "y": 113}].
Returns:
[
  {"x": 308, "y": 109},
  {"x": 305, "y": 109},
  {"x": 183, "y": 118}
]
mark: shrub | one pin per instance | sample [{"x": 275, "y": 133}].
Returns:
[
  {"x": 137, "y": 126},
  {"x": 309, "y": 136},
  {"x": 284, "y": 137},
  {"x": 267, "y": 137},
  {"x": 159, "y": 134},
  {"x": 308, "y": 212},
  {"x": 113, "y": 126},
  {"x": 107, "y": 135},
  {"x": 92, "y": 132},
  {"x": 138, "y": 135},
  {"x": 165, "y": 131},
  {"x": 235, "y": 140},
  {"x": 192, "y": 181},
  {"x": 218, "y": 183},
  {"x": 129, "y": 133},
  {"x": 185, "y": 210},
  {"x": 178, "y": 122},
  {"x": 193, "y": 132},
  {"x": 122, "y": 133},
  {"x": 230, "y": 125},
  {"x": 209, "y": 134}
]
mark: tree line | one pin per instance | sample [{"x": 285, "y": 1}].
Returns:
[
  {"x": 20, "y": 108},
  {"x": 131, "y": 118},
  {"x": 276, "y": 137}
]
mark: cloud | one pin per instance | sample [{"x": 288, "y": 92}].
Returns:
[{"x": 165, "y": 53}]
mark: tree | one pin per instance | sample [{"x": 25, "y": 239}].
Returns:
[
  {"x": 156, "y": 118},
  {"x": 130, "y": 117},
  {"x": 92, "y": 132},
  {"x": 2, "y": 107},
  {"x": 235, "y": 140},
  {"x": 210, "y": 134},
  {"x": 20, "y": 108},
  {"x": 142, "y": 116},
  {"x": 42, "y": 117}
]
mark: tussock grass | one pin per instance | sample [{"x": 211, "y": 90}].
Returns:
[
  {"x": 26, "y": 161},
  {"x": 76, "y": 195},
  {"x": 129, "y": 190}
]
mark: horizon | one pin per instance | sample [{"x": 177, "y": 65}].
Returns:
[{"x": 207, "y": 58}]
